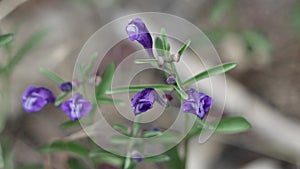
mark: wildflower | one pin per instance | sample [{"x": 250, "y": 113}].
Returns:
[
  {"x": 197, "y": 103},
  {"x": 144, "y": 100},
  {"x": 137, "y": 30},
  {"x": 65, "y": 86},
  {"x": 137, "y": 157},
  {"x": 35, "y": 98},
  {"x": 76, "y": 107}
]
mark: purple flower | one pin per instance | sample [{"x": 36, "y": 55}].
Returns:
[
  {"x": 144, "y": 100},
  {"x": 76, "y": 107},
  {"x": 35, "y": 98},
  {"x": 197, "y": 103},
  {"x": 137, "y": 30},
  {"x": 65, "y": 86},
  {"x": 137, "y": 157}
]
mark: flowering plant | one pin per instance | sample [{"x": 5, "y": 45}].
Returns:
[{"x": 78, "y": 107}]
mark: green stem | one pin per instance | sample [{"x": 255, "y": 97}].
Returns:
[
  {"x": 4, "y": 98},
  {"x": 128, "y": 164}
]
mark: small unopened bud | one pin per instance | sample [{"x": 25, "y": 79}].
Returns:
[
  {"x": 171, "y": 79},
  {"x": 65, "y": 86},
  {"x": 168, "y": 97},
  {"x": 137, "y": 157},
  {"x": 160, "y": 60},
  {"x": 175, "y": 57}
]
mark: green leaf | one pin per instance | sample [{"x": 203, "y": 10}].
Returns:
[
  {"x": 184, "y": 47},
  {"x": 233, "y": 125},
  {"x": 74, "y": 163},
  {"x": 139, "y": 88},
  {"x": 120, "y": 139},
  {"x": 141, "y": 61},
  {"x": 159, "y": 47},
  {"x": 105, "y": 156},
  {"x": 106, "y": 100},
  {"x": 65, "y": 146},
  {"x": 60, "y": 98},
  {"x": 210, "y": 72},
  {"x": 122, "y": 129},
  {"x": 215, "y": 35},
  {"x": 28, "y": 45},
  {"x": 151, "y": 133},
  {"x": 69, "y": 124},
  {"x": 219, "y": 9},
  {"x": 175, "y": 162},
  {"x": 167, "y": 138},
  {"x": 163, "y": 39},
  {"x": 157, "y": 159},
  {"x": 51, "y": 75},
  {"x": 1, "y": 158},
  {"x": 106, "y": 80},
  {"x": 88, "y": 69},
  {"x": 257, "y": 41},
  {"x": 5, "y": 39}
]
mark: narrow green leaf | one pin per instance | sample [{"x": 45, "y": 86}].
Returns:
[
  {"x": 74, "y": 163},
  {"x": 257, "y": 41},
  {"x": 184, "y": 47},
  {"x": 106, "y": 80},
  {"x": 210, "y": 72},
  {"x": 65, "y": 146},
  {"x": 90, "y": 66},
  {"x": 141, "y": 61},
  {"x": 60, "y": 98},
  {"x": 219, "y": 9},
  {"x": 28, "y": 45},
  {"x": 157, "y": 159},
  {"x": 159, "y": 46},
  {"x": 164, "y": 39},
  {"x": 51, "y": 75},
  {"x": 233, "y": 125},
  {"x": 215, "y": 35},
  {"x": 120, "y": 139},
  {"x": 106, "y": 100},
  {"x": 165, "y": 138},
  {"x": 139, "y": 88},
  {"x": 69, "y": 124},
  {"x": 151, "y": 133},
  {"x": 122, "y": 129},
  {"x": 5, "y": 39},
  {"x": 175, "y": 162},
  {"x": 1, "y": 158},
  {"x": 105, "y": 156}
]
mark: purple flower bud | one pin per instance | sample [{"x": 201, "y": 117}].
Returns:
[
  {"x": 197, "y": 103},
  {"x": 144, "y": 100},
  {"x": 171, "y": 79},
  {"x": 76, "y": 107},
  {"x": 137, "y": 157},
  {"x": 137, "y": 30},
  {"x": 35, "y": 98},
  {"x": 169, "y": 97},
  {"x": 65, "y": 86}
]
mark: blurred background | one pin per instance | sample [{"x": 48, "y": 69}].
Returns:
[{"x": 263, "y": 37}]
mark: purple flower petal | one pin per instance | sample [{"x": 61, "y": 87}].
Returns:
[
  {"x": 144, "y": 100},
  {"x": 197, "y": 103},
  {"x": 76, "y": 107},
  {"x": 35, "y": 98},
  {"x": 65, "y": 86},
  {"x": 137, "y": 30}
]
